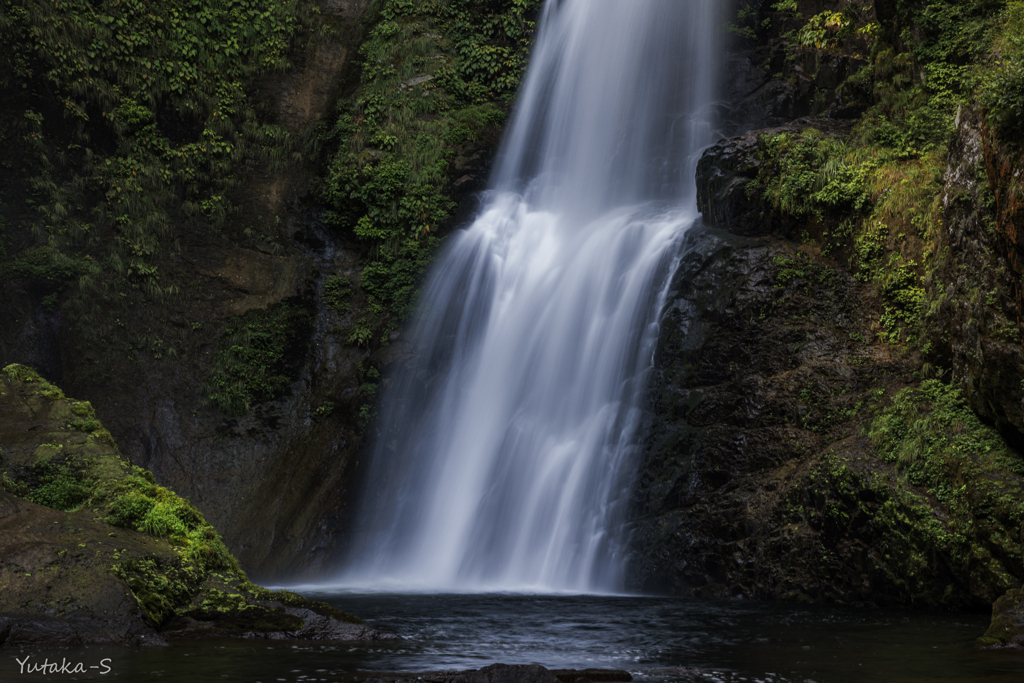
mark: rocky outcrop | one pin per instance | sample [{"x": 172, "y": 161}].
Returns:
[
  {"x": 770, "y": 83},
  {"x": 94, "y": 552},
  {"x": 972, "y": 319},
  {"x": 1007, "y": 627},
  {"x": 974, "y": 298},
  {"x": 728, "y": 195},
  {"x": 768, "y": 470}
]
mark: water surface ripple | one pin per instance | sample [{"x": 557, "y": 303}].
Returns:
[{"x": 655, "y": 638}]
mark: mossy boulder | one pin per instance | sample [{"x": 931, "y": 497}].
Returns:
[
  {"x": 1007, "y": 628},
  {"x": 96, "y": 552}
]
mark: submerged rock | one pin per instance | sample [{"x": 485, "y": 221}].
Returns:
[
  {"x": 94, "y": 552},
  {"x": 516, "y": 673}
]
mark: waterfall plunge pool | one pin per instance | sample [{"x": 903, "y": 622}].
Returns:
[{"x": 654, "y": 638}]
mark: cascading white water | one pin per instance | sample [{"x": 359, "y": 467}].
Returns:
[{"x": 504, "y": 458}]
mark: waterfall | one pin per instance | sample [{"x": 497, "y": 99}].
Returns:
[{"x": 504, "y": 458}]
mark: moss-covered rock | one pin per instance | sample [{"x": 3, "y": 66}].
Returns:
[
  {"x": 1007, "y": 627},
  {"x": 96, "y": 552}
]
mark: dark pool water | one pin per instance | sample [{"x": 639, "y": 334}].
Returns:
[{"x": 656, "y": 639}]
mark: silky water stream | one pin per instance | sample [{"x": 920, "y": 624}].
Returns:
[
  {"x": 499, "y": 483},
  {"x": 504, "y": 457}
]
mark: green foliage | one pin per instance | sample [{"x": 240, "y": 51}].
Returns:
[
  {"x": 491, "y": 43},
  {"x": 919, "y": 77},
  {"x": 826, "y": 30},
  {"x": 790, "y": 268},
  {"x": 138, "y": 115},
  {"x": 436, "y": 77},
  {"x": 747, "y": 22},
  {"x": 337, "y": 292},
  {"x": 47, "y": 263},
  {"x": 903, "y": 296},
  {"x": 252, "y": 367},
  {"x": 13, "y": 486},
  {"x": 869, "y": 202},
  {"x": 369, "y": 377},
  {"x": 326, "y": 409},
  {"x": 840, "y": 498},
  {"x": 60, "y": 486},
  {"x": 811, "y": 174},
  {"x": 931, "y": 434},
  {"x": 1002, "y": 92}
]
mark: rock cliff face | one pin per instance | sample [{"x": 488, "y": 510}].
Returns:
[
  {"x": 972, "y": 317},
  {"x": 779, "y": 461},
  {"x": 270, "y": 479},
  {"x": 273, "y": 479}
]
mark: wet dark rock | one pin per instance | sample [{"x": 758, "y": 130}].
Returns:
[
  {"x": 756, "y": 478},
  {"x": 749, "y": 380},
  {"x": 518, "y": 673},
  {"x": 1007, "y": 627},
  {"x": 724, "y": 194},
  {"x": 285, "y": 623},
  {"x": 972, "y": 320}
]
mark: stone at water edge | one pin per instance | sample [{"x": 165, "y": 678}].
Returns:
[{"x": 1007, "y": 628}]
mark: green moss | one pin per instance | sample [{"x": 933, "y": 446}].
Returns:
[
  {"x": 165, "y": 590},
  {"x": 129, "y": 508},
  {"x": 158, "y": 589},
  {"x": 23, "y": 373},
  {"x": 931, "y": 436},
  {"x": 62, "y": 487}
]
